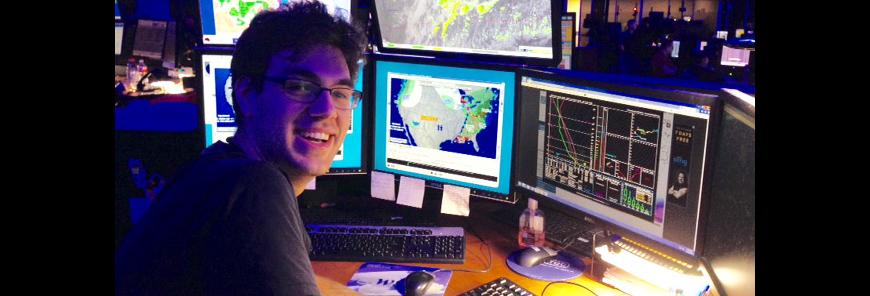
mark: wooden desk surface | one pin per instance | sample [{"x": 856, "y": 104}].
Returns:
[{"x": 503, "y": 241}]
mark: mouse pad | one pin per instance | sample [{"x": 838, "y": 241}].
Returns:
[
  {"x": 560, "y": 268},
  {"x": 384, "y": 279}
]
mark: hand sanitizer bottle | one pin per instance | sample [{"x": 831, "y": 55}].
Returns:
[{"x": 531, "y": 231}]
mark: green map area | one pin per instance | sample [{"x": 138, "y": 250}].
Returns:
[
  {"x": 457, "y": 8},
  {"x": 241, "y": 12},
  {"x": 472, "y": 24}
]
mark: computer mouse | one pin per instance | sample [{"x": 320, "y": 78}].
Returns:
[
  {"x": 417, "y": 282},
  {"x": 532, "y": 256}
]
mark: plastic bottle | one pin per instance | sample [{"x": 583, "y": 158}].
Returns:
[
  {"x": 132, "y": 75},
  {"x": 143, "y": 69},
  {"x": 531, "y": 231}
]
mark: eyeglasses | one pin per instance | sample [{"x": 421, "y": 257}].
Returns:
[{"x": 307, "y": 91}]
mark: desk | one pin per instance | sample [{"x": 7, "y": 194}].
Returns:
[{"x": 503, "y": 241}]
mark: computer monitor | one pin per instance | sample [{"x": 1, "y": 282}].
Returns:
[
  {"x": 117, "y": 11},
  {"x": 150, "y": 39},
  {"x": 224, "y": 21},
  {"x": 737, "y": 57},
  {"x": 510, "y": 31},
  {"x": 119, "y": 37},
  {"x": 569, "y": 20},
  {"x": 219, "y": 119},
  {"x": 634, "y": 158},
  {"x": 675, "y": 51},
  {"x": 730, "y": 235},
  {"x": 446, "y": 123}
]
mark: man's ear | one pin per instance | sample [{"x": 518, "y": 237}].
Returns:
[{"x": 245, "y": 94}]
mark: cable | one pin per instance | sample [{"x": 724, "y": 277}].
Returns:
[
  {"x": 489, "y": 251},
  {"x": 592, "y": 267},
  {"x": 573, "y": 238},
  {"x": 561, "y": 282}
]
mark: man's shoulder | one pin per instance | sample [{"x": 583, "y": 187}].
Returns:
[
  {"x": 223, "y": 157},
  {"x": 240, "y": 169}
]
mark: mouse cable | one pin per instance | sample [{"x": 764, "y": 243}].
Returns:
[
  {"x": 488, "y": 249},
  {"x": 562, "y": 282}
]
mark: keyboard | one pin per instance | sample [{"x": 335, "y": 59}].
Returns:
[
  {"x": 558, "y": 228},
  {"x": 500, "y": 286},
  {"x": 658, "y": 258},
  {"x": 331, "y": 242}
]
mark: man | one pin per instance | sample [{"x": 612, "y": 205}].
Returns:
[
  {"x": 230, "y": 224},
  {"x": 679, "y": 189},
  {"x": 661, "y": 63}
]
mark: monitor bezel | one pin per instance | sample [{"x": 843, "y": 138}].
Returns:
[
  {"x": 364, "y": 166},
  {"x": 510, "y": 197},
  {"x": 555, "y": 20},
  {"x": 682, "y": 95}
]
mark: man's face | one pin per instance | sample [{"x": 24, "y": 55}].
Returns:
[
  {"x": 681, "y": 178},
  {"x": 304, "y": 136}
]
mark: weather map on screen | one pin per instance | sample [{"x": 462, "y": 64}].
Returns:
[
  {"x": 445, "y": 123},
  {"x": 223, "y": 21},
  {"x": 497, "y": 27}
]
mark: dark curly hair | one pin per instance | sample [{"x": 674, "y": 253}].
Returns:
[{"x": 298, "y": 27}]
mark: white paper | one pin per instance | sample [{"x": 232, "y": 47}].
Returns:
[
  {"x": 312, "y": 185},
  {"x": 411, "y": 192},
  {"x": 383, "y": 186},
  {"x": 455, "y": 200}
]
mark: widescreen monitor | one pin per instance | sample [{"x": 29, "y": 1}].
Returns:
[
  {"x": 150, "y": 39},
  {"x": 446, "y": 123},
  {"x": 737, "y": 57},
  {"x": 631, "y": 157},
  {"x": 119, "y": 37},
  {"x": 219, "y": 119},
  {"x": 514, "y": 31},
  {"x": 569, "y": 20},
  {"x": 117, "y": 11},
  {"x": 223, "y": 21},
  {"x": 730, "y": 239},
  {"x": 675, "y": 51}
]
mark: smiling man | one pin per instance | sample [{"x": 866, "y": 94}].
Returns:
[{"x": 230, "y": 224}]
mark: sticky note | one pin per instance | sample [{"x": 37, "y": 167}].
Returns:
[
  {"x": 455, "y": 200},
  {"x": 411, "y": 192},
  {"x": 383, "y": 186}
]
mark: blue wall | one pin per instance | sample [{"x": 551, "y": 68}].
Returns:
[{"x": 152, "y": 10}]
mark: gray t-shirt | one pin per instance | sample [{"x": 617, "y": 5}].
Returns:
[{"x": 227, "y": 225}]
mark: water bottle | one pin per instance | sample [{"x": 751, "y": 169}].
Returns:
[
  {"x": 142, "y": 69},
  {"x": 531, "y": 231},
  {"x": 132, "y": 75}
]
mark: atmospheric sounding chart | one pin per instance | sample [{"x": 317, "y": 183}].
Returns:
[{"x": 602, "y": 150}]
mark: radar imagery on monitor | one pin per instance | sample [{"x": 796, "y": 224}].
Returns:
[
  {"x": 223, "y": 21},
  {"x": 233, "y": 16},
  {"x": 498, "y": 27},
  {"x": 445, "y": 116}
]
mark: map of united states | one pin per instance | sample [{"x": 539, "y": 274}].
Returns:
[{"x": 461, "y": 118}]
